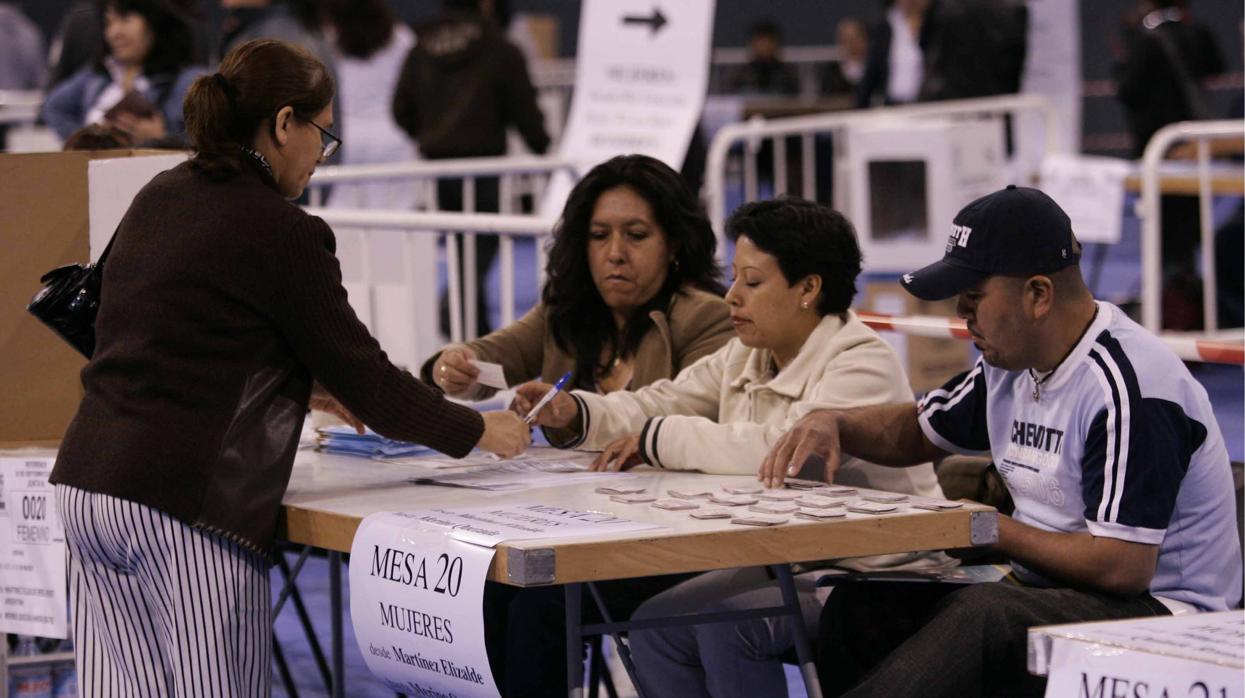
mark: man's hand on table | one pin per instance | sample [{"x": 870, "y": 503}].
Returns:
[{"x": 815, "y": 435}]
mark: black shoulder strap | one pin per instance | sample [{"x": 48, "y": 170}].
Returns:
[{"x": 99, "y": 263}]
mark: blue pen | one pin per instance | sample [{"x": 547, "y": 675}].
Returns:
[{"x": 531, "y": 416}]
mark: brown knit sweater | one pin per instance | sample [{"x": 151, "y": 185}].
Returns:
[{"x": 221, "y": 302}]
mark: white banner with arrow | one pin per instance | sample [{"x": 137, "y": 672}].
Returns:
[{"x": 642, "y": 69}]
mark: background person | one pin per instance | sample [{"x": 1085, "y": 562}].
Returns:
[
  {"x": 222, "y": 305},
  {"x": 633, "y": 295},
  {"x": 1108, "y": 447},
  {"x": 139, "y": 80},
  {"x": 798, "y": 348},
  {"x": 462, "y": 85},
  {"x": 369, "y": 46}
]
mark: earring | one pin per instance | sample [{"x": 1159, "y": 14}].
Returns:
[
  {"x": 804, "y": 305},
  {"x": 675, "y": 265}
]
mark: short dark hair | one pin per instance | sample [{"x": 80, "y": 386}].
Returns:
[
  {"x": 363, "y": 26},
  {"x": 172, "y": 42},
  {"x": 765, "y": 27},
  {"x": 256, "y": 80},
  {"x": 580, "y": 322},
  {"x": 806, "y": 238}
]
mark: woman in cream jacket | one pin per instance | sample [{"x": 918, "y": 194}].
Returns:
[{"x": 799, "y": 348}]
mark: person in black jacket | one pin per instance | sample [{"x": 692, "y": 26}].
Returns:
[
  {"x": 461, "y": 86},
  {"x": 1161, "y": 62},
  {"x": 222, "y": 317}
]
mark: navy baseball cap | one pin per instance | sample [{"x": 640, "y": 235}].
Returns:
[{"x": 1015, "y": 231}]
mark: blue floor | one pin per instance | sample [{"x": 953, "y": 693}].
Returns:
[{"x": 1114, "y": 273}]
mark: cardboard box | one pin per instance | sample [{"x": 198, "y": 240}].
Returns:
[
  {"x": 44, "y": 223},
  {"x": 929, "y": 361}
]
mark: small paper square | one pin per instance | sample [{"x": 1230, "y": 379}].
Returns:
[{"x": 491, "y": 375}]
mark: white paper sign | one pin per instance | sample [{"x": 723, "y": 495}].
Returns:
[
  {"x": 492, "y": 525},
  {"x": 641, "y": 72},
  {"x": 517, "y": 474},
  {"x": 32, "y": 551},
  {"x": 1091, "y": 191},
  {"x": 1192, "y": 655},
  {"x": 416, "y": 599}
]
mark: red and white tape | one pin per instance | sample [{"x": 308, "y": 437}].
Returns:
[{"x": 1187, "y": 348}]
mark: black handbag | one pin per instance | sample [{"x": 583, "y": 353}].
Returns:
[{"x": 69, "y": 301}]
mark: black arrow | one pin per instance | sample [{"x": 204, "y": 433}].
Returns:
[{"x": 655, "y": 22}]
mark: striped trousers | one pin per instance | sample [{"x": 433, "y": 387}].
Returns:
[{"x": 160, "y": 608}]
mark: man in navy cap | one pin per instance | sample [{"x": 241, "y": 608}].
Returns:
[{"x": 1108, "y": 446}]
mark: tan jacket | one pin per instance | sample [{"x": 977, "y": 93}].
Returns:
[
  {"x": 725, "y": 412},
  {"x": 695, "y": 324}
]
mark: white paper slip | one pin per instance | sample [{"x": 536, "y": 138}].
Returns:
[
  {"x": 633, "y": 498},
  {"x": 743, "y": 489},
  {"x": 884, "y": 497},
  {"x": 871, "y": 508},
  {"x": 815, "y": 502},
  {"x": 773, "y": 508},
  {"x": 820, "y": 514},
  {"x": 796, "y": 483},
  {"x": 675, "y": 504},
  {"x": 711, "y": 514},
  {"x": 733, "y": 500},
  {"x": 938, "y": 506},
  {"x": 619, "y": 489},
  {"x": 491, "y": 374},
  {"x": 690, "y": 493},
  {"x": 778, "y": 496},
  {"x": 759, "y": 520}
]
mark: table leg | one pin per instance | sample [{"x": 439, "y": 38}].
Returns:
[
  {"x": 624, "y": 652},
  {"x": 803, "y": 648},
  {"x": 574, "y": 641},
  {"x": 335, "y": 599}
]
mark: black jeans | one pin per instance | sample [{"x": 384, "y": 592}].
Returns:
[
  {"x": 525, "y": 629},
  {"x": 915, "y": 639}
]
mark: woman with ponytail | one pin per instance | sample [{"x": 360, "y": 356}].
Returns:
[{"x": 222, "y": 318}]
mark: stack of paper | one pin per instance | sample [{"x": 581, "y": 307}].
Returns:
[{"x": 344, "y": 440}]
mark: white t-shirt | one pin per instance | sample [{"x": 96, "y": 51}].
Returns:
[{"x": 1120, "y": 442}]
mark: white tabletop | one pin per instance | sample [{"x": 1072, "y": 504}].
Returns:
[{"x": 329, "y": 495}]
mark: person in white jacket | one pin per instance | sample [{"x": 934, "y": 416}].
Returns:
[{"x": 799, "y": 348}]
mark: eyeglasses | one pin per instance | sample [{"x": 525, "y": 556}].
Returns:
[{"x": 329, "y": 142}]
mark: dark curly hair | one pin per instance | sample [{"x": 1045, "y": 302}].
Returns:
[
  {"x": 172, "y": 39},
  {"x": 581, "y": 323},
  {"x": 806, "y": 238}
]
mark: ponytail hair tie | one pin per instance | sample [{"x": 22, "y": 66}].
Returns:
[{"x": 225, "y": 87}]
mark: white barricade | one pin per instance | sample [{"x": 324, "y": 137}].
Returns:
[
  {"x": 1201, "y": 134},
  {"x": 518, "y": 176},
  {"x": 1024, "y": 165}
]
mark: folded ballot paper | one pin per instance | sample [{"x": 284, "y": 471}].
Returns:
[{"x": 343, "y": 440}]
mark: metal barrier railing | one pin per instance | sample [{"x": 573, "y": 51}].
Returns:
[
  {"x": 1201, "y": 133},
  {"x": 412, "y": 223},
  {"x": 1187, "y": 348},
  {"x": 20, "y": 106},
  {"x": 751, "y": 134},
  {"x": 463, "y": 291}
]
